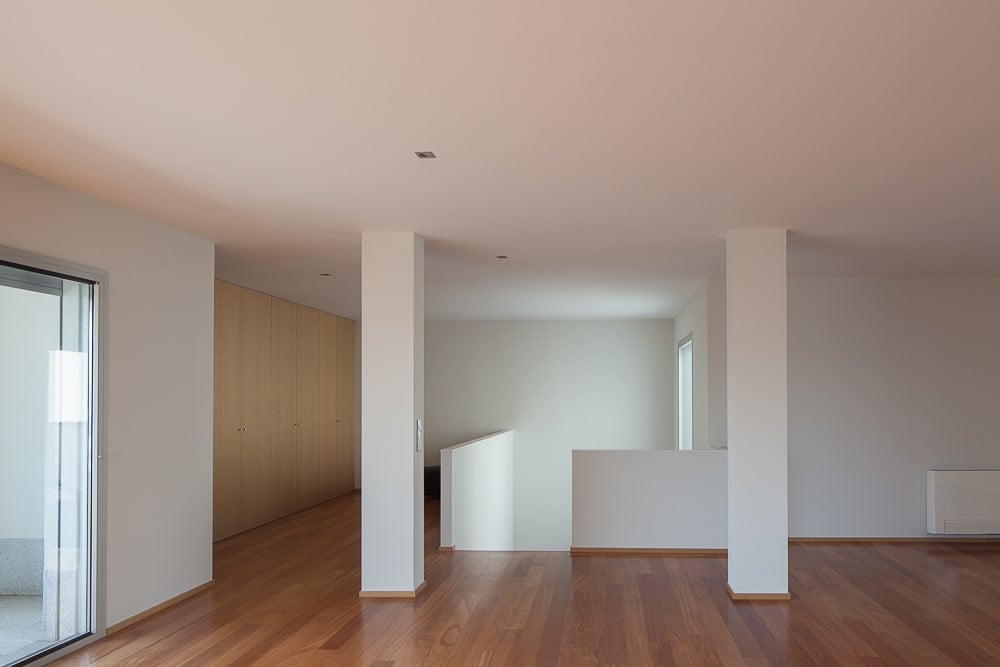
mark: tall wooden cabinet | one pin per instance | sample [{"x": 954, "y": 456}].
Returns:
[
  {"x": 346, "y": 361},
  {"x": 284, "y": 347},
  {"x": 284, "y": 408},
  {"x": 228, "y": 429}
]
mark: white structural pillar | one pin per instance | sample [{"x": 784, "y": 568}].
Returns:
[
  {"x": 757, "y": 374},
  {"x": 392, "y": 399}
]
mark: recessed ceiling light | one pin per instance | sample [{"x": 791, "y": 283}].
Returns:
[
  {"x": 423, "y": 155},
  {"x": 501, "y": 256},
  {"x": 326, "y": 275}
]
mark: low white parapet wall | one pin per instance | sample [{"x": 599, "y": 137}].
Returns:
[
  {"x": 649, "y": 499},
  {"x": 477, "y": 494}
]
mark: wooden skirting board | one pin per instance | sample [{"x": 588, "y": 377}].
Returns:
[
  {"x": 451, "y": 548},
  {"x": 393, "y": 594},
  {"x": 626, "y": 551},
  {"x": 760, "y": 597},
  {"x": 619, "y": 551},
  {"x": 121, "y": 625},
  {"x": 950, "y": 539}
]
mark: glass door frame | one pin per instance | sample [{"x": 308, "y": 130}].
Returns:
[{"x": 98, "y": 454}]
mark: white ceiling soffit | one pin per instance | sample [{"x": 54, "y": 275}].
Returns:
[{"x": 607, "y": 148}]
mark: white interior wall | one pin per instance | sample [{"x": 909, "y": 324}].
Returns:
[
  {"x": 887, "y": 378},
  {"x": 159, "y": 431},
  {"x": 716, "y": 363},
  {"x": 477, "y": 494},
  {"x": 24, "y": 358},
  {"x": 561, "y": 385},
  {"x": 692, "y": 320},
  {"x": 643, "y": 499}
]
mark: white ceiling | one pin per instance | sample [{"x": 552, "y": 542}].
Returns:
[{"x": 606, "y": 147}]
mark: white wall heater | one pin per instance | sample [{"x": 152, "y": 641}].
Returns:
[{"x": 963, "y": 502}]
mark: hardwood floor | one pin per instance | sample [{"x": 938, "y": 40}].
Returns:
[{"x": 287, "y": 594}]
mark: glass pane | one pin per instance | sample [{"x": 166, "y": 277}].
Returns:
[
  {"x": 46, "y": 453},
  {"x": 685, "y": 397}
]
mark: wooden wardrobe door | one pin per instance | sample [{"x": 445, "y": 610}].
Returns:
[
  {"x": 257, "y": 494},
  {"x": 284, "y": 408},
  {"x": 282, "y": 413},
  {"x": 345, "y": 404},
  {"x": 309, "y": 491},
  {"x": 328, "y": 405},
  {"x": 228, "y": 420}
]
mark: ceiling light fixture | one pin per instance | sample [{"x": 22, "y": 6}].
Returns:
[{"x": 423, "y": 155}]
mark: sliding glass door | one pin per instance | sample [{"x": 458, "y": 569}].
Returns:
[{"x": 48, "y": 457}]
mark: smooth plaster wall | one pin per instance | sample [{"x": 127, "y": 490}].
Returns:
[
  {"x": 888, "y": 377},
  {"x": 757, "y": 368},
  {"x": 159, "y": 366},
  {"x": 642, "y": 499},
  {"x": 477, "y": 494},
  {"x": 560, "y": 385},
  {"x": 392, "y": 399},
  {"x": 693, "y": 319},
  {"x": 716, "y": 363}
]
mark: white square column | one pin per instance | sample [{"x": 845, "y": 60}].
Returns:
[
  {"x": 757, "y": 374},
  {"x": 392, "y": 399}
]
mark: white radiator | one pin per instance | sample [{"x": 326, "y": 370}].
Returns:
[{"x": 963, "y": 502}]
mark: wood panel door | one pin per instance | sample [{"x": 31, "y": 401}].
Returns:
[
  {"x": 346, "y": 405},
  {"x": 282, "y": 414},
  {"x": 328, "y": 458},
  {"x": 227, "y": 485},
  {"x": 257, "y": 494},
  {"x": 309, "y": 491}
]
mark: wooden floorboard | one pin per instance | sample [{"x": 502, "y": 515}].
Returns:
[{"x": 287, "y": 594}]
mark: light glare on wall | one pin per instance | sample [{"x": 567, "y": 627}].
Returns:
[{"x": 67, "y": 387}]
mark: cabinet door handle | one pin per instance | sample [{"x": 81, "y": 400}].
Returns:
[{"x": 298, "y": 424}]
